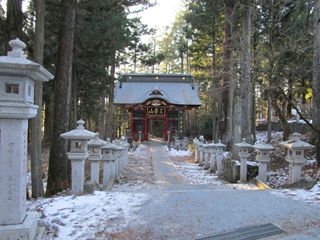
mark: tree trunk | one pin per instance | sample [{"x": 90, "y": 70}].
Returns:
[
  {"x": 227, "y": 83},
  {"x": 36, "y": 123},
  {"x": 269, "y": 117},
  {"x": 14, "y": 20},
  {"x": 48, "y": 117},
  {"x": 316, "y": 81},
  {"x": 58, "y": 160},
  {"x": 73, "y": 100},
  {"x": 111, "y": 119},
  {"x": 101, "y": 116},
  {"x": 245, "y": 78}
]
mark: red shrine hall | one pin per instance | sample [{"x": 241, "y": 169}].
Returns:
[{"x": 156, "y": 103}]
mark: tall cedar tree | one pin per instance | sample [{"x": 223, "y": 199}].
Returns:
[
  {"x": 316, "y": 80},
  {"x": 36, "y": 123},
  {"x": 14, "y": 20},
  {"x": 58, "y": 160}
]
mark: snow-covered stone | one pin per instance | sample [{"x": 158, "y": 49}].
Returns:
[{"x": 243, "y": 154}]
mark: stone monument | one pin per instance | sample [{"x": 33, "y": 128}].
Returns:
[{"x": 17, "y": 77}]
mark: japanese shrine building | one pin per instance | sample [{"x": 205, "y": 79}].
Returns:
[{"x": 156, "y": 102}]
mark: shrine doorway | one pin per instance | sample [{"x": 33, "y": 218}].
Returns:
[{"x": 156, "y": 127}]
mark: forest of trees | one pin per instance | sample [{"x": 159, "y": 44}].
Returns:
[{"x": 253, "y": 60}]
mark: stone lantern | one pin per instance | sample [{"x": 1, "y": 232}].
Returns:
[
  {"x": 118, "y": 158},
  {"x": 296, "y": 149},
  {"x": 243, "y": 154},
  {"x": 108, "y": 158},
  {"x": 263, "y": 158},
  {"x": 220, "y": 147},
  {"x": 78, "y": 153},
  {"x": 17, "y": 77},
  {"x": 94, "y": 146}
]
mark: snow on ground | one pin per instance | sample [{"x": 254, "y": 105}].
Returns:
[
  {"x": 93, "y": 216},
  {"x": 194, "y": 174},
  {"x": 179, "y": 153},
  {"x": 311, "y": 196}
]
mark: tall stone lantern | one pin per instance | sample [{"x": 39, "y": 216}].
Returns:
[
  {"x": 296, "y": 149},
  {"x": 94, "y": 146},
  {"x": 78, "y": 153},
  {"x": 17, "y": 77},
  {"x": 243, "y": 154},
  {"x": 263, "y": 158}
]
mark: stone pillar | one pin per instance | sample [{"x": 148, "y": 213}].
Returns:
[
  {"x": 212, "y": 159},
  {"x": 95, "y": 171},
  {"x": 108, "y": 158},
  {"x": 195, "y": 143},
  {"x": 106, "y": 172},
  {"x": 78, "y": 154},
  {"x": 17, "y": 79},
  {"x": 243, "y": 154},
  {"x": 206, "y": 157},
  {"x": 219, "y": 150},
  {"x": 201, "y": 154}
]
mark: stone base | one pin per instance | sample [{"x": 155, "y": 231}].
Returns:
[{"x": 24, "y": 231}]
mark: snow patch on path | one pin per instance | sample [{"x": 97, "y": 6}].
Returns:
[
  {"x": 311, "y": 196},
  {"x": 179, "y": 153},
  {"x": 88, "y": 216}
]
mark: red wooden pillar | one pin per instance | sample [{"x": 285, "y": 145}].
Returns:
[
  {"x": 131, "y": 124},
  {"x": 166, "y": 125},
  {"x": 145, "y": 126}
]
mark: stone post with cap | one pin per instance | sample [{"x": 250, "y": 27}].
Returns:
[
  {"x": 220, "y": 147},
  {"x": 243, "y": 154},
  {"x": 296, "y": 149},
  {"x": 78, "y": 153},
  {"x": 263, "y": 157},
  {"x": 95, "y": 157},
  {"x": 17, "y": 78}
]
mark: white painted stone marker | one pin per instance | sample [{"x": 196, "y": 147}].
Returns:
[
  {"x": 78, "y": 153},
  {"x": 17, "y": 77},
  {"x": 94, "y": 146},
  {"x": 296, "y": 149},
  {"x": 243, "y": 154},
  {"x": 263, "y": 158}
]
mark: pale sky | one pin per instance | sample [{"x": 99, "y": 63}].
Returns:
[{"x": 163, "y": 14}]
